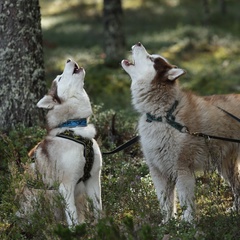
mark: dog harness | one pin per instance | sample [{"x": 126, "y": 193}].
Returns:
[
  {"x": 88, "y": 151},
  {"x": 88, "y": 154},
  {"x": 170, "y": 119}
]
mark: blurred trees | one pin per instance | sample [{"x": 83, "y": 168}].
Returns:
[
  {"x": 207, "y": 8},
  {"x": 21, "y": 69},
  {"x": 114, "y": 41}
]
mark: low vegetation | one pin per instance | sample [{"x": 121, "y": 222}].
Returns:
[
  {"x": 131, "y": 209},
  {"x": 208, "y": 50}
]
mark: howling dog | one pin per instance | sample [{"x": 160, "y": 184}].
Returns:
[
  {"x": 69, "y": 155},
  {"x": 168, "y": 126}
]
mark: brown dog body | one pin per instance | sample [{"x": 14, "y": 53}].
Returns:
[{"x": 172, "y": 153}]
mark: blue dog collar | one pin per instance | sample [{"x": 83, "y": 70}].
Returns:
[{"x": 82, "y": 122}]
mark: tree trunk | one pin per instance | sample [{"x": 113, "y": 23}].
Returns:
[
  {"x": 206, "y": 11},
  {"x": 21, "y": 63},
  {"x": 114, "y": 42},
  {"x": 223, "y": 7}
]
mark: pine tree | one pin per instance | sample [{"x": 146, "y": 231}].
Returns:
[
  {"x": 114, "y": 41},
  {"x": 21, "y": 63}
]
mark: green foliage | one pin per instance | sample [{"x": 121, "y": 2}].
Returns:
[
  {"x": 14, "y": 148},
  {"x": 65, "y": 233}
]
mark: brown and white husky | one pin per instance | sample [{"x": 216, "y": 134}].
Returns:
[
  {"x": 59, "y": 157},
  {"x": 168, "y": 117}
]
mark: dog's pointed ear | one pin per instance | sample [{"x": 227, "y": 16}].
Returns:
[
  {"x": 175, "y": 73},
  {"x": 46, "y": 102}
]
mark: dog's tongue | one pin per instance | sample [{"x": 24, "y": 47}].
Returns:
[
  {"x": 77, "y": 69},
  {"x": 127, "y": 63}
]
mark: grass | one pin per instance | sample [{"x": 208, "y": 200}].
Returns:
[{"x": 177, "y": 30}]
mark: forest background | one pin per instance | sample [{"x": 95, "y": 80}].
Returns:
[
  {"x": 200, "y": 36},
  {"x": 203, "y": 39}
]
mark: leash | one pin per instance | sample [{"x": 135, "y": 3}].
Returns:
[
  {"x": 170, "y": 118},
  {"x": 230, "y": 114},
  {"x": 220, "y": 138},
  {"x": 123, "y": 146},
  {"x": 150, "y": 118},
  {"x": 209, "y": 137},
  {"x": 216, "y": 137}
]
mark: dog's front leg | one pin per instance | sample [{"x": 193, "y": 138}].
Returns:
[
  {"x": 93, "y": 190},
  {"x": 165, "y": 188},
  {"x": 185, "y": 187},
  {"x": 71, "y": 212}
]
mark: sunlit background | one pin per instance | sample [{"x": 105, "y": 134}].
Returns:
[{"x": 206, "y": 45}]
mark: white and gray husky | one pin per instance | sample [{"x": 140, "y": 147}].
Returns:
[{"x": 69, "y": 155}]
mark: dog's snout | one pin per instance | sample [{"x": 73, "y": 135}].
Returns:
[
  {"x": 69, "y": 60},
  {"x": 139, "y": 44}
]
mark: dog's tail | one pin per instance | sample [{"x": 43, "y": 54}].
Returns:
[{"x": 31, "y": 153}]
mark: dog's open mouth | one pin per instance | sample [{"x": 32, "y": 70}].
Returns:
[
  {"x": 76, "y": 69},
  {"x": 128, "y": 63}
]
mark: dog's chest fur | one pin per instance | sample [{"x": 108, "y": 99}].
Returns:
[
  {"x": 159, "y": 140},
  {"x": 167, "y": 148},
  {"x": 159, "y": 144},
  {"x": 61, "y": 158}
]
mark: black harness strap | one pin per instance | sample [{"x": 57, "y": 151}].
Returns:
[
  {"x": 184, "y": 129},
  {"x": 170, "y": 118},
  {"x": 88, "y": 151}
]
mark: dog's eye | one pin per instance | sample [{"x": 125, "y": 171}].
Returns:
[{"x": 59, "y": 79}]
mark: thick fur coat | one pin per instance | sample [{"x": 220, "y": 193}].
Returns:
[
  {"x": 60, "y": 160},
  {"x": 174, "y": 155}
]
